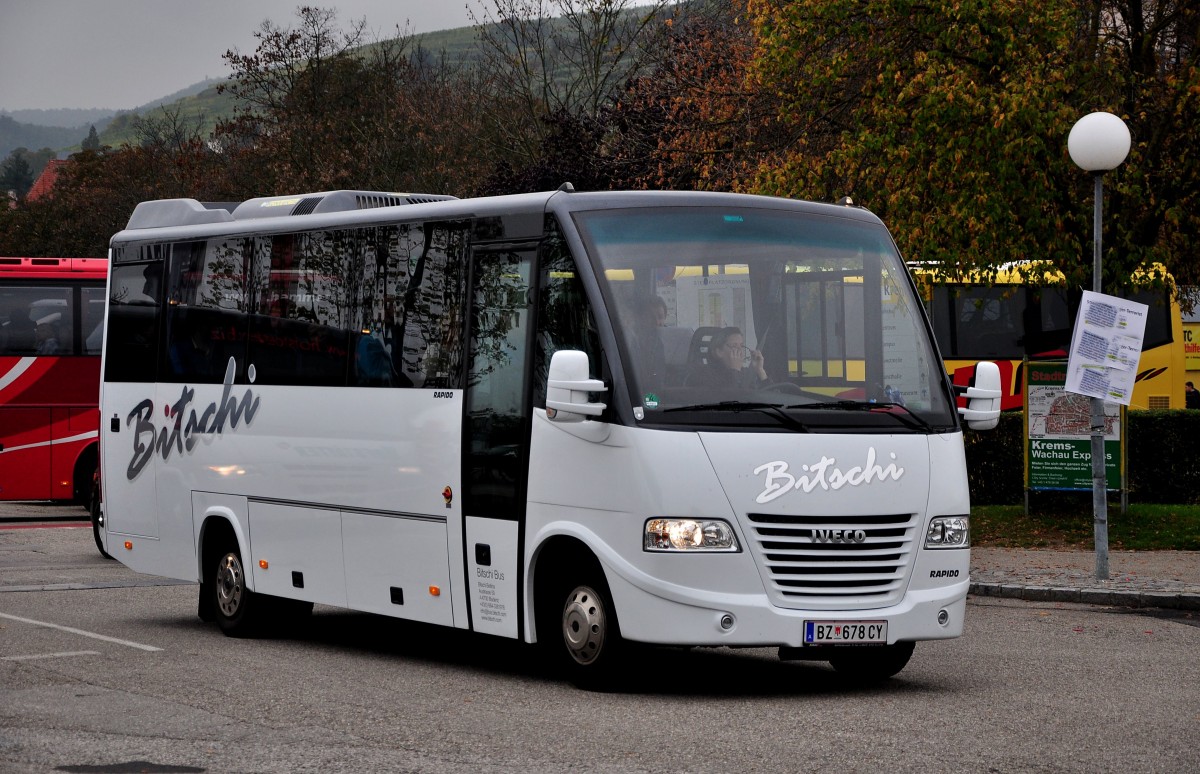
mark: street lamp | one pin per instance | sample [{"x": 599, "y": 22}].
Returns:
[{"x": 1098, "y": 143}]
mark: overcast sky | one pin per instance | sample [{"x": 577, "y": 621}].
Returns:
[{"x": 120, "y": 54}]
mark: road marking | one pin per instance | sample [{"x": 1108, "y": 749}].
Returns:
[
  {"x": 93, "y": 635},
  {"x": 51, "y": 655}
]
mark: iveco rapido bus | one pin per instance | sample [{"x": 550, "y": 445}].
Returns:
[{"x": 577, "y": 419}]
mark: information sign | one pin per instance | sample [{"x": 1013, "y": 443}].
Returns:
[
  {"x": 1058, "y": 453},
  {"x": 1105, "y": 347}
]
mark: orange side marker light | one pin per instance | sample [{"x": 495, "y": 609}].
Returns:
[
  {"x": 435, "y": 591},
  {"x": 128, "y": 545},
  {"x": 262, "y": 563}
]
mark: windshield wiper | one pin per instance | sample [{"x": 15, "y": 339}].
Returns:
[
  {"x": 904, "y": 416},
  {"x": 771, "y": 409}
]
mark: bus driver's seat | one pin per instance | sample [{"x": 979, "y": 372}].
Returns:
[{"x": 699, "y": 351}]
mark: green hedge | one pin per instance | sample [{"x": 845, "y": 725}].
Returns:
[{"x": 1162, "y": 449}]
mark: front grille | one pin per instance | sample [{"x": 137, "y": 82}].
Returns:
[{"x": 847, "y": 561}]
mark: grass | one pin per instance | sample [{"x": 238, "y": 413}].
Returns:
[{"x": 1144, "y": 527}]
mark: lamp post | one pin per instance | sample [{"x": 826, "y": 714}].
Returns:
[{"x": 1098, "y": 143}]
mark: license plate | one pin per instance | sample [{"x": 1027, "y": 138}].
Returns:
[{"x": 845, "y": 632}]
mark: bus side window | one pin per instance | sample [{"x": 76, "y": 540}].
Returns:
[
  {"x": 134, "y": 321},
  {"x": 299, "y": 334},
  {"x": 92, "y": 326},
  {"x": 564, "y": 315},
  {"x": 17, "y": 331},
  {"x": 382, "y": 278},
  {"x": 431, "y": 323}
]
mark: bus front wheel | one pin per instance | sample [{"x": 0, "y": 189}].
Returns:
[
  {"x": 581, "y": 631},
  {"x": 873, "y": 664}
]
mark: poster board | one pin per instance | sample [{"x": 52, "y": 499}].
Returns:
[
  {"x": 1058, "y": 433},
  {"x": 1105, "y": 347}
]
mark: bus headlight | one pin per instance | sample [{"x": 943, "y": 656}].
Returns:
[
  {"x": 689, "y": 535},
  {"x": 948, "y": 532}
]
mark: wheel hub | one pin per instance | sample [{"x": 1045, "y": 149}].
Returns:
[
  {"x": 230, "y": 585},
  {"x": 584, "y": 624}
]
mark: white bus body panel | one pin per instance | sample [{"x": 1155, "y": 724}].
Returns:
[
  {"x": 493, "y": 584},
  {"x": 606, "y": 492},
  {"x": 365, "y": 485},
  {"x": 407, "y": 554},
  {"x": 297, "y": 552}
]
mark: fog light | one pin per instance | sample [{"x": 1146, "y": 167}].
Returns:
[
  {"x": 727, "y": 622},
  {"x": 943, "y": 617}
]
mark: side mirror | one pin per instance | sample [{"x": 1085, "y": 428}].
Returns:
[
  {"x": 569, "y": 386},
  {"x": 982, "y": 411}
]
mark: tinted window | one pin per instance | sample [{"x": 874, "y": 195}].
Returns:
[
  {"x": 92, "y": 320},
  {"x": 299, "y": 334},
  {"x": 37, "y": 320},
  {"x": 370, "y": 307},
  {"x": 206, "y": 302},
  {"x": 564, "y": 315},
  {"x": 133, "y": 321}
]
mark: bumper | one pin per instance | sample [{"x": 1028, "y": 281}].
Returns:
[{"x": 660, "y": 613}]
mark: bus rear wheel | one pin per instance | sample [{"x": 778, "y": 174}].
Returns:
[{"x": 234, "y": 605}]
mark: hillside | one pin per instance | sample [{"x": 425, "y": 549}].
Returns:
[
  {"x": 197, "y": 105},
  {"x": 14, "y": 134}
]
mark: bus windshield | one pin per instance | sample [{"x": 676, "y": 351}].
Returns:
[{"x": 805, "y": 319}]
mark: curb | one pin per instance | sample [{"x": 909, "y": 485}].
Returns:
[{"x": 1168, "y": 600}]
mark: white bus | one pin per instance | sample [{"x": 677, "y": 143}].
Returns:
[{"x": 578, "y": 419}]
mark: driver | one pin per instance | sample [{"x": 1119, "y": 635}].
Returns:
[{"x": 731, "y": 363}]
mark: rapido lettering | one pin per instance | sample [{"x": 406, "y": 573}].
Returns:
[{"x": 176, "y": 435}]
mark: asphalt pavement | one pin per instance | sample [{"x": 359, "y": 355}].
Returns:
[{"x": 1158, "y": 579}]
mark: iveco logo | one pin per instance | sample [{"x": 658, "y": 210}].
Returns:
[{"x": 839, "y": 536}]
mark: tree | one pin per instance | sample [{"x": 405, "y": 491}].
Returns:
[
  {"x": 92, "y": 141},
  {"x": 951, "y": 121},
  {"x": 693, "y": 120},
  {"x": 15, "y": 174},
  {"x": 546, "y": 58},
  {"x": 319, "y": 108}
]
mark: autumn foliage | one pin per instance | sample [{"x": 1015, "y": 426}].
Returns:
[{"x": 948, "y": 118}]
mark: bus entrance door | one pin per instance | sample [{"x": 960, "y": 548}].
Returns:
[{"x": 496, "y": 435}]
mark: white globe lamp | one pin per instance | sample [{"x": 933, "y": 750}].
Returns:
[{"x": 1099, "y": 142}]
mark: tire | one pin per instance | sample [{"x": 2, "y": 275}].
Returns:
[
  {"x": 97, "y": 514},
  {"x": 873, "y": 664},
  {"x": 237, "y": 609},
  {"x": 581, "y": 633}
]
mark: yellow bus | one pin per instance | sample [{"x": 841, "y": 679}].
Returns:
[{"x": 1010, "y": 318}]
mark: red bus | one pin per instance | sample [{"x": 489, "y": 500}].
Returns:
[{"x": 51, "y": 322}]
